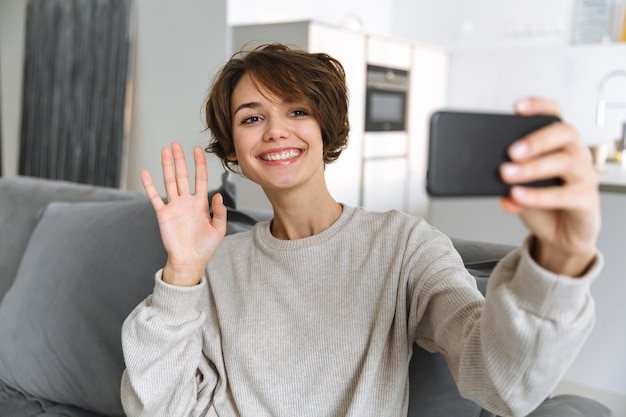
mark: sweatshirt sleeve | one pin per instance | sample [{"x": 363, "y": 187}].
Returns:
[
  {"x": 167, "y": 373},
  {"x": 508, "y": 352}
]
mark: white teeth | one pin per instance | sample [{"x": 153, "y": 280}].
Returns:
[{"x": 280, "y": 156}]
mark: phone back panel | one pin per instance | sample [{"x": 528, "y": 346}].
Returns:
[{"x": 467, "y": 149}]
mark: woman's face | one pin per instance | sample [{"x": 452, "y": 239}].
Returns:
[{"x": 278, "y": 144}]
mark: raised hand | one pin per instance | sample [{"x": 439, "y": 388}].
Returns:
[
  {"x": 565, "y": 219},
  {"x": 190, "y": 236}
]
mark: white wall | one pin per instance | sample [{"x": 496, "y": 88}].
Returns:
[
  {"x": 454, "y": 23},
  {"x": 12, "y": 17},
  {"x": 504, "y": 50},
  {"x": 375, "y": 16},
  {"x": 493, "y": 78},
  {"x": 179, "y": 46}
]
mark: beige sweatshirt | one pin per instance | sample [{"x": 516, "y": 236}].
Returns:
[{"x": 324, "y": 326}]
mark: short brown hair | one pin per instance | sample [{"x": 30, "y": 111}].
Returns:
[{"x": 293, "y": 75}]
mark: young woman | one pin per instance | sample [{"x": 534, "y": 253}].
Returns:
[{"x": 316, "y": 311}]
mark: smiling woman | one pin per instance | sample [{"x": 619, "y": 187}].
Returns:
[{"x": 321, "y": 314}]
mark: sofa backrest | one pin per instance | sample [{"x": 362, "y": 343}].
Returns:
[
  {"x": 21, "y": 202},
  {"x": 75, "y": 260}
]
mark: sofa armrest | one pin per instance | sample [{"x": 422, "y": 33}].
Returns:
[
  {"x": 567, "y": 405},
  {"x": 475, "y": 253}
]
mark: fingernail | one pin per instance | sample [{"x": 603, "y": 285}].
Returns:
[
  {"x": 518, "y": 193},
  {"x": 509, "y": 170},
  {"x": 522, "y": 106},
  {"x": 518, "y": 150}
]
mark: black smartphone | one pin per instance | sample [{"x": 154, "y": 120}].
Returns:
[{"x": 466, "y": 150}]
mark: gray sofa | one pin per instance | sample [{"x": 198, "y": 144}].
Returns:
[{"x": 76, "y": 259}]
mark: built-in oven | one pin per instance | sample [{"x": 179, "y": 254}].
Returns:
[{"x": 386, "y": 99}]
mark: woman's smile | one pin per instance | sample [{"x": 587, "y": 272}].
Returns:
[{"x": 281, "y": 156}]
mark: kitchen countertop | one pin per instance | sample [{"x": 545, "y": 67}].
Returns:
[{"x": 612, "y": 178}]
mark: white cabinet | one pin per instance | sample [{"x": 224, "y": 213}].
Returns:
[
  {"x": 428, "y": 93},
  {"x": 344, "y": 175},
  {"x": 385, "y": 183},
  {"x": 389, "y": 52}
]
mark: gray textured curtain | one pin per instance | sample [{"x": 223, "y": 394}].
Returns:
[{"x": 76, "y": 69}]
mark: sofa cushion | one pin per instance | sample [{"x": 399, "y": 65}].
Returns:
[
  {"x": 480, "y": 254},
  {"x": 21, "y": 200},
  {"x": 433, "y": 391},
  {"x": 16, "y": 404},
  {"x": 87, "y": 265},
  {"x": 432, "y": 387}
]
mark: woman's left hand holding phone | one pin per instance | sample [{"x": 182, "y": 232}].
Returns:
[{"x": 190, "y": 235}]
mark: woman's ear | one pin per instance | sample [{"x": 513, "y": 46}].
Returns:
[{"x": 232, "y": 157}]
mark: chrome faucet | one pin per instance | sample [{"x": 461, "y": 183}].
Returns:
[
  {"x": 601, "y": 113},
  {"x": 602, "y": 104}
]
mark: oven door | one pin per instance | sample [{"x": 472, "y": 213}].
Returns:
[{"x": 385, "y": 110}]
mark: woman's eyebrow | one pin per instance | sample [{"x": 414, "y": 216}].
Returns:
[{"x": 250, "y": 105}]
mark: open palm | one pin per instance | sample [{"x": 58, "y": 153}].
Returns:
[{"x": 190, "y": 235}]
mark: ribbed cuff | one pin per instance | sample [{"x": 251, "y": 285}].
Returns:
[
  {"x": 177, "y": 303},
  {"x": 550, "y": 295}
]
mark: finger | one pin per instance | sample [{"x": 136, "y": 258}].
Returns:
[
  {"x": 532, "y": 106},
  {"x": 555, "y": 165},
  {"x": 553, "y": 198},
  {"x": 182, "y": 175},
  {"x": 507, "y": 204},
  {"x": 151, "y": 190},
  {"x": 551, "y": 138},
  {"x": 219, "y": 213},
  {"x": 202, "y": 180},
  {"x": 169, "y": 174}
]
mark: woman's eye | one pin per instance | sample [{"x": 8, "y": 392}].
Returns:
[
  {"x": 299, "y": 113},
  {"x": 250, "y": 119}
]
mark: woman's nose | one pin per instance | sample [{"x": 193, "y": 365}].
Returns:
[{"x": 276, "y": 129}]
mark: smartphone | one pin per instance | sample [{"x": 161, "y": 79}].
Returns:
[{"x": 466, "y": 150}]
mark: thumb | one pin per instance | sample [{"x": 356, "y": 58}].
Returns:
[{"x": 219, "y": 212}]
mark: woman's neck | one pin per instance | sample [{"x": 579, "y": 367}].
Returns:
[{"x": 298, "y": 216}]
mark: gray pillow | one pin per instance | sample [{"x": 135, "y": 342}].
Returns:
[
  {"x": 86, "y": 266},
  {"x": 22, "y": 199}
]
